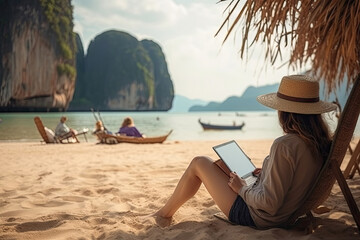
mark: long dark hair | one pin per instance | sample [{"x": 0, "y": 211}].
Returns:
[{"x": 311, "y": 128}]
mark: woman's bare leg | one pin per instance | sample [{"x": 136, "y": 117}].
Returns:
[{"x": 200, "y": 170}]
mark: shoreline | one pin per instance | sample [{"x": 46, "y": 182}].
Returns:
[{"x": 87, "y": 190}]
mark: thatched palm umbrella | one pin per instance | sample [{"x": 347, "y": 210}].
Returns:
[{"x": 323, "y": 33}]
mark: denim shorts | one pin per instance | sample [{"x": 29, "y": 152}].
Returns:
[{"x": 239, "y": 213}]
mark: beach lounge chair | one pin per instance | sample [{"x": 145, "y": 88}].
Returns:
[
  {"x": 353, "y": 164},
  {"x": 331, "y": 169},
  {"x": 49, "y": 137},
  {"x": 42, "y": 131}
]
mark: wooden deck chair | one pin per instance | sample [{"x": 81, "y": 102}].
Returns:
[
  {"x": 45, "y": 135},
  {"x": 331, "y": 170},
  {"x": 69, "y": 137},
  {"x": 42, "y": 131}
]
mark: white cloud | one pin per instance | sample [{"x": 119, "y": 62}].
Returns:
[
  {"x": 143, "y": 17},
  {"x": 200, "y": 66}
]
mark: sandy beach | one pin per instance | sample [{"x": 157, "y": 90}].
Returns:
[{"x": 97, "y": 191}]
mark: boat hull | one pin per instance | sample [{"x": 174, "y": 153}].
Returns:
[
  {"x": 138, "y": 140},
  {"x": 206, "y": 126}
]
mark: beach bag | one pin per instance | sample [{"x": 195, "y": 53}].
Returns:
[{"x": 50, "y": 135}]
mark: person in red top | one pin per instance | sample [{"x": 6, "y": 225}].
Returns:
[{"x": 128, "y": 128}]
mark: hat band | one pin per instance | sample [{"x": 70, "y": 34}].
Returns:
[{"x": 297, "y": 99}]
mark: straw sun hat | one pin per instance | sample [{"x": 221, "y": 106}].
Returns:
[{"x": 297, "y": 94}]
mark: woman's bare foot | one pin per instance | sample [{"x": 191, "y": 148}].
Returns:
[
  {"x": 162, "y": 221},
  {"x": 159, "y": 219}
]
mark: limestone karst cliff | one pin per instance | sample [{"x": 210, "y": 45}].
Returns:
[
  {"x": 164, "y": 90},
  {"x": 43, "y": 66},
  {"x": 80, "y": 71},
  {"x": 122, "y": 73},
  {"x": 37, "y": 67}
]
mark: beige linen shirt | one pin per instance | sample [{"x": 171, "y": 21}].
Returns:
[{"x": 287, "y": 174}]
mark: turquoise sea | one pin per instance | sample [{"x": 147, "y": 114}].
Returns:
[{"x": 185, "y": 126}]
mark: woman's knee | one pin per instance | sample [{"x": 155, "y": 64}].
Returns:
[{"x": 200, "y": 162}]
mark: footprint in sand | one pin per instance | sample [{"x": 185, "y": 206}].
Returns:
[
  {"x": 49, "y": 203},
  {"x": 49, "y": 191},
  {"x": 3, "y": 203},
  {"x": 101, "y": 220},
  {"x": 68, "y": 178},
  {"x": 43, "y": 175},
  {"x": 93, "y": 175},
  {"x": 85, "y": 192},
  {"x": 8, "y": 193},
  {"x": 114, "y": 191},
  {"x": 73, "y": 198},
  {"x": 38, "y": 226}
]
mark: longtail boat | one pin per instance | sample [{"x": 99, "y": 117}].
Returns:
[
  {"x": 207, "y": 126},
  {"x": 127, "y": 139}
]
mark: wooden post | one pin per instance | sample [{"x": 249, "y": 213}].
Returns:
[
  {"x": 346, "y": 192},
  {"x": 353, "y": 162},
  {"x": 356, "y": 167}
]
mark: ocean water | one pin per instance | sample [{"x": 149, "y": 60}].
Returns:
[{"x": 185, "y": 126}]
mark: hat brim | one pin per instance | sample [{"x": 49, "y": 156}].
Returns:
[{"x": 271, "y": 100}]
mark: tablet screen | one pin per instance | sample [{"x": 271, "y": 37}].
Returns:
[{"x": 234, "y": 158}]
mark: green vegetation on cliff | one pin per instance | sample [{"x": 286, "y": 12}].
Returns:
[
  {"x": 60, "y": 19},
  {"x": 122, "y": 73},
  {"x": 37, "y": 41}
]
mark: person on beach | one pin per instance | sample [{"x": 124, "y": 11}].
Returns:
[
  {"x": 287, "y": 173},
  {"x": 62, "y": 130},
  {"x": 99, "y": 127},
  {"x": 128, "y": 128}
]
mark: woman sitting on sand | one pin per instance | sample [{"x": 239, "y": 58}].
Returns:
[
  {"x": 99, "y": 129},
  {"x": 128, "y": 128},
  {"x": 288, "y": 172}
]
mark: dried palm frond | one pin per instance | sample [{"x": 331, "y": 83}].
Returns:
[{"x": 323, "y": 33}]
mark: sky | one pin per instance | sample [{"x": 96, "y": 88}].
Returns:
[{"x": 201, "y": 66}]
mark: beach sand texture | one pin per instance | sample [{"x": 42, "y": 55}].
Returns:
[{"x": 96, "y": 191}]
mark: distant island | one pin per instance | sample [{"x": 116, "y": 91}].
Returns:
[
  {"x": 247, "y": 101},
  {"x": 183, "y": 104}
]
